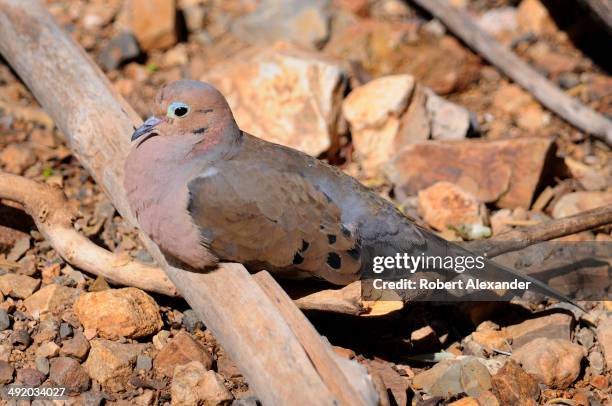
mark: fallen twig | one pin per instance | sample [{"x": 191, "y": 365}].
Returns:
[
  {"x": 54, "y": 218},
  {"x": 568, "y": 108},
  {"x": 602, "y": 10},
  {"x": 520, "y": 238}
]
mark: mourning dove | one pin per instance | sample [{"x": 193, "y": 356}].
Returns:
[{"x": 205, "y": 191}]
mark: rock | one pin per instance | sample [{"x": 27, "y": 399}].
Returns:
[
  {"x": 533, "y": 17},
  {"x": 111, "y": 363},
  {"x": 492, "y": 340},
  {"x": 65, "y": 330},
  {"x": 424, "y": 338},
  {"x": 557, "y": 325},
  {"x": 48, "y": 350},
  {"x": 176, "y": 56},
  {"x": 20, "y": 248},
  {"x": 589, "y": 177},
  {"x": 513, "y": 386},
  {"x": 506, "y": 171},
  {"x": 18, "y": 286},
  {"x": 577, "y": 202},
  {"x": 68, "y": 372},
  {"x": 20, "y": 339},
  {"x": 455, "y": 376},
  {"x": 121, "y": 49},
  {"x": 161, "y": 339},
  {"x": 27, "y": 265},
  {"x": 297, "y": 94},
  {"x": 554, "y": 362},
  {"x": 193, "y": 384},
  {"x": 49, "y": 300},
  {"x": 444, "y": 204},
  {"x": 499, "y": 20},
  {"x": 246, "y": 401},
  {"x": 127, "y": 312},
  {"x": 599, "y": 382},
  {"x": 604, "y": 337},
  {"x": 597, "y": 363},
  {"x": 467, "y": 401},
  {"x": 532, "y": 118},
  {"x": 77, "y": 347},
  {"x": 487, "y": 398},
  {"x": 195, "y": 16},
  {"x": 449, "y": 121},
  {"x": 226, "y": 366},
  {"x": 306, "y": 23},
  {"x": 43, "y": 365},
  {"x": 181, "y": 350},
  {"x": 191, "y": 321},
  {"x": 16, "y": 158},
  {"x": 30, "y": 377},
  {"x": 5, "y": 352},
  {"x": 5, "y": 322},
  {"x": 153, "y": 22},
  {"x": 6, "y": 373},
  {"x": 144, "y": 363},
  {"x": 392, "y": 381},
  {"x": 375, "y": 127},
  {"x": 46, "y": 331}
]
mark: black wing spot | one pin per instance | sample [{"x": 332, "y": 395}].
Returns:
[
  {"x": 331, "y": 239},
  {"x": 354, "y": 253},
  {"x": 334, "y": 260},
  {"x": 345, "y": 231},
  {"x": 305, "y": 245},
  {"x": 297, "y": 259},
  {"x": 200, "y": 130}
]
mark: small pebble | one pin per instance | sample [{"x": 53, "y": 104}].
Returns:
[
  {"x": 21, "y": 339},
  {"x": 65, "y": 330},
  {"x": 42, "y": 364},
  {"x": 5, "y": 322},
  {"x": 143, "y": 362},
  {"x": 191, "y": 321}
]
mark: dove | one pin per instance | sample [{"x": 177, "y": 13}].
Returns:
[{"x": 205, "y": 191}]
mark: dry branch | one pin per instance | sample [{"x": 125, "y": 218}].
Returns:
[
  {"x": 97, "y": 123},
  {"x": 602, "y": 9},
  {"x": 520, "y": 238},
  {"x": 54, "y": 218},
  {"x": 568, "y": 108}
]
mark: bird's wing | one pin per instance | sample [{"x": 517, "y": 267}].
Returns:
[{"x": 274, "y": 219}]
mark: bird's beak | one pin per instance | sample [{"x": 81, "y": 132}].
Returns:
[{"x": 146, "y": 127}]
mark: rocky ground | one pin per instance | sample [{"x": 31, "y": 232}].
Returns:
[{"x": 378, "y": 88}]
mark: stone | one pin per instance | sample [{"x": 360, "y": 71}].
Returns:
[
  {"x": 577, "y": 202},
  {"x": 191, "y": 321},
  {"x": 18, "y": 286},
  {"x": 503, "y": 171},
  {"x": 153, "y": 22},
  {"x": 513, "y": 386},
  {"x": 554, "y": 362},
  {"x": 597, "y": 363},
  {"x": 306, "y": 23},
  {"x": 30, "y": 377},
  {"x": 6, "y": 373},
  {"x": 65, "y": 330},
  {"x": 49, "y": 300},
  {"x": 533, "y": 16},
  {"x": 120, "y": 49},
  {"x": 467, "y": 401},
  {"x": 20, "y": 248},
  {"x": 5, "y": 322},
  {"x": 532, "y": 118},
  {"x": 604, "y": 337},
  {"x": 588, "y": 177},
  {"x": 492, "y": 340},
  {"x": 111, "y": 363},
  {"x": 600, "y": 382},
  {"x": 297, "y": 93},
  {"x": 16, "y": 158},
  {"x": 424, "y": 338},
  {"x": 76, "y": 347},
  {"x": 557, "y": 325},
  {"x": 195, "y": 16},
  {"x": 392, "y": 382},
  {"x": 43, "y": 365},
  {"x": 375, "y": 126},
  {"x": 454, "y": 376},
  {"x": 181, "y": 350},
  {"x": 68, "y": 372},
  {"x": 194, "y": 384},
  {"x": 449, "y": 121},
  {"x": 444, "y": 204},
  {"x": 48, "y": 350},
  {"x": 161, "y": 339},
  {"x": 226, "y": 366},
  {"x": 27, "y": 265},
  {"x": 487, "y": 398},
  {"x": 176, "y": 56},
  {"x": 5, "y": 352},
  {"x": 144, "y": 363},
  {"x": 127, "y": 312},
  {"x": 499, "y": 20},
  {"x": 46, "y": 331},
  {"x": 20, "y": 339}
]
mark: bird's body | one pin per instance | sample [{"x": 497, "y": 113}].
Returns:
[{"x": 206, "y": 191}]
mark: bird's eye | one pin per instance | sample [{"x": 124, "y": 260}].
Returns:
[{"x": 177, "y": 110}]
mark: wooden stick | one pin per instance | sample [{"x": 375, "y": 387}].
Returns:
[
  {"x": 97, "y": 124},
  {"x": 602, "y": 9},
  {"x": 520, "y": 238},
  {"x": 568, "y": 108}
]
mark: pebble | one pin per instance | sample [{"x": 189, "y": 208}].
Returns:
[
  {"x": 68, "y": 372},
  {"x": 111, "y": 363},
  {"x": 42, "y": 365},
  {"x": 76, "y": 347},
  {"x": 16, "y": 158},
  {"x": 30, "y": 377},
  {"x": 49, "y": 299},
  {"x": 194, "y": 384},
  {"x": 144, "y": 363},
  {"x": 121, "y": 49},
  {"x": 452, "y": 377},
  {"x": 182, "y": 349},
  {"x": 604, "y": 336},
  {"x": 20, "y": 339},
  {"x": 513, "y": 386},
  {"x": 191, "y": 321},
  {"x": 6, "y": 372},
  {"x": 48, "y": 350},
  {"x": 65, "y": 330},
  {"x": 18, "y": 286},
  {"x": 5, "y": 321}
]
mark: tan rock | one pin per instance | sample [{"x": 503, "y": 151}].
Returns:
[
  {"x": 554, "y": 326},
  {"x": 467, "y": 401},
  {"x": 554, "y": 362},
  {"x": 449, "y": 121},
  {"x": 533, "y": 16},
  {"x": 577, "y": 202},
  {"x": 373, "y": 112},
  {"x": 48, "y": 300},
  {"x": 445, "y": 204},
  {"x": 127, "y": 312},
  {"x": 604, "y": 337},
  {"x": 504, "y": 171},
  {"x": 499, "y": 221},
  {"x": 68, "y": 372},
  {"x": 16, "y": 158},
  {"x": 589, "y": 177},
  {"x": 492, "y": 340},
  {"x": 513, "y": 386},
  {"x": 511, "y": 99},
  {"x": 111, "y": 363},
  {"x": 194, "y": 385},
  {"x": 153, "y": 22},
  {"x": 284, "y": 95},
  {"x": 18, "y": 286},
  {"x": 532, "y": 118},
  {"x": 181, "y": 350},
  {"x": 47, "y": 350}
]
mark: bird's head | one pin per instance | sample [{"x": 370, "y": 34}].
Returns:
[{"x": 188, "y": 110}]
